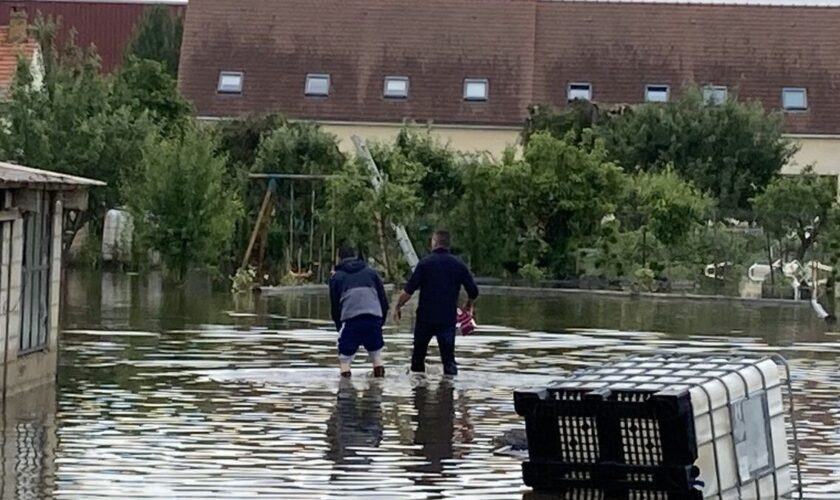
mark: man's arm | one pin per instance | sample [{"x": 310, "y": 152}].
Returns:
[
  {"x": 410, "y": 287},
  {"x": 404, "y": 298},
  {"x": 335, "y": 302},
  {"x": 471, "y": 288}
]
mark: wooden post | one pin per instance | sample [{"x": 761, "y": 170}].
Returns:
[{"x": 261, "y": 215}]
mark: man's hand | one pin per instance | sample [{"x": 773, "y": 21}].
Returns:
[
  {"x": 470, "y": 307},
  {"x": 404, "y": 298}
]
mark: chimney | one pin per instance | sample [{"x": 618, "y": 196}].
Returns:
[{"x": 17, "y": 25}]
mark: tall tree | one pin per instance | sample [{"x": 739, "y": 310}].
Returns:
[
  {"x": 559, "y": 194},
  {"x": 180, "y": 202},
  {"x": 799, "y": 205},
  {"x": 158, "y": 37},
  {"x": 143, "y": 85},
  {"x": 731, "y": 150}
]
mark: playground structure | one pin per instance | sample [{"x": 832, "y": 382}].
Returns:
[{"x": 305, "y": 268}]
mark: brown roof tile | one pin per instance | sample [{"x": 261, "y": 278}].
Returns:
[
  {"x": 108, "y": 25},
  {"x": 754, "y": 50},
  {"x": 528, "y": 49},
  {"x": 9, "y": 53},
  {"x": 436, "y": 43}
]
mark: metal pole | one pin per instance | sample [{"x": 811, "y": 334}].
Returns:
[
  {"x": 311, "y": 228},
  {"x": 376, "y": 179},
  {"x": 291, "y": 245}
]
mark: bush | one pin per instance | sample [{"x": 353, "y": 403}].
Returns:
[{"x": 180, "y": 203}]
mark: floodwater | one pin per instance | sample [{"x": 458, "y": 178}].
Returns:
[{"x": 182, "y": 393}]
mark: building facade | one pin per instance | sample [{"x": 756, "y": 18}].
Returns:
[
  {"x": 31, "y": 229},
  {"x": 469, "y": 69}
]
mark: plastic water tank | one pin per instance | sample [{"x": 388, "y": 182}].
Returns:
[{"x": 117, "y": 236}]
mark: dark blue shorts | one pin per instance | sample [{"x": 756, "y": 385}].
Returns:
[{"x": 362, "y": 330}]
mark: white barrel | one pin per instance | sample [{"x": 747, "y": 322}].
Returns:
[{"x": 117, "y": 236}]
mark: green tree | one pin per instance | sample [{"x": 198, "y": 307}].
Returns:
[
  {"x": 181, "y": 205},
  {"x": 144, "y": 86},
  {"x": 730, "y": 151},
  {"x": 577, "y": 117},
  {"x": 363, "y": 216},
  {"x": 560, "y": 193},
  {"x": 69, "y": 124},
  {"x": 157, "y": 37},
  {"x": 663, "y": 204},
  {"x": 800, "y": 205},
  {"x": 240, "y": 139},
  {"x": 483, "y": 221},
  {"x": 441, "y": 181}
]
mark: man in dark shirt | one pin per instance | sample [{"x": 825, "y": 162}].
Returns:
[
  {"x": 358, "y": 308},
  {"x": 439, "y": 277}
]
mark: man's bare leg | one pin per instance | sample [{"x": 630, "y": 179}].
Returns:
[
  {"x": 344, "y": 363},
  {"x": 378, "y": 363}
]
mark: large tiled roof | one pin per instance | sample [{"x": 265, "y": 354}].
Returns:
[{"x": 529, "y": 50}]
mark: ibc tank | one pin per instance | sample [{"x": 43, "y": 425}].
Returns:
[{"x": 117, "y": 236}]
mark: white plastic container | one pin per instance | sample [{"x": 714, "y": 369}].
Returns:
[
  {"x": 117, "y": 236},
  {"x": 739, "y": 416}
]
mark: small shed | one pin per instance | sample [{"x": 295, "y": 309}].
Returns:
[{"x": 33, "y": 203}]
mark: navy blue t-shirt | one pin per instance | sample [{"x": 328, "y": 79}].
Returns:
[{"x": 439, "y": 276}]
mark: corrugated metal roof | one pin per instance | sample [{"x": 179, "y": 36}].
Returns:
[{"x": 13, "y": 175}]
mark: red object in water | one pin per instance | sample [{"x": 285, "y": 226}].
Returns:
[{"x": 465, "y": 322}]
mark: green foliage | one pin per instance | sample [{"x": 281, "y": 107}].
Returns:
[
  {"x": 240, "y": 139},
  {"x": 298, "y": 148},
  {"x": 797, "y": 205},
  {"x": 360, "y": 214},
  {"x": 180, "y": 203},
  {"x": 70, "y": 124},
  {"x": 577, "y": 117},
  {"x": 144, "y": 86},
  {"x": 157, "y": 37},
  {"x": 483, "y": 216},
  {"x": 532, "y": 274},
  {"x": 293, "y": 148},
  {"x": 730, "y": 151},
  {"x": 440, "y": 186},
  {"x": 559, "y": 194},
  {"x": 664, "y": 204}
]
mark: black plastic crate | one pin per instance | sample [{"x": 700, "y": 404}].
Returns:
[{"x": 616, "y": 444}]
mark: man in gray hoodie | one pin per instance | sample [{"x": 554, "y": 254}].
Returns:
[{"x": 358, "y": 307}]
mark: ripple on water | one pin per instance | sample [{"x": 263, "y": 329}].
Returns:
[{"x": 232, "y": 404}]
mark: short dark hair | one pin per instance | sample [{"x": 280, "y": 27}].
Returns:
[
  {"x": 442, "y": 238},
  {"x": 346, "y": 251}
]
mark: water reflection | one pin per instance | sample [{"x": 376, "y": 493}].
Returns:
[
  {"x": 182, "y": 392},
  {"x": 435, "y": 423},
  {"x": 28, "y": 445},
  {"x": 356, "y": 422}
]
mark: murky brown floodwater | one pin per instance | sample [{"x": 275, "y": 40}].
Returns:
[{"x": 184, "y": 394}]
